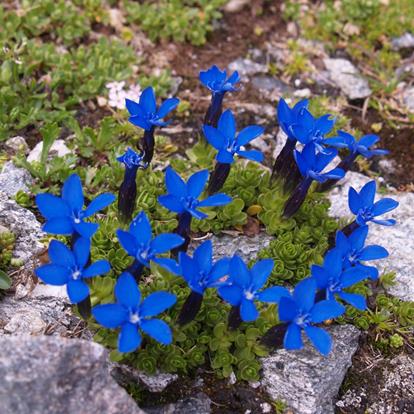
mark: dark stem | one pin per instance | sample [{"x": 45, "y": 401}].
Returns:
[
  {"x": 214, "y": 110},
  {"x": 345, "y": 164},
  {"x": 127, "y": 195},
  {"x": 274, "y": 337},
  {"x": 148, "y": 145},
  {"x": 293, "y": 177},
  {"x": 84, "y": 306},
  {"x": 284, "y": 159},
  {"x": 190, "y": 308},
  {"x": 234, "y": 320},
  {"x": 297, "y": 198},
  {"x": 135, "y": 269},
  {"x": 218, "y": 177},
  {"x": 183, "y": 229}
]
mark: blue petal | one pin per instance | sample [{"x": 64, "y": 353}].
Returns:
[
  {"x": 342, "y": 243},
  {"x": 326, "y": 309},
  {"x": 253, "y": 155},
  {"x": 203, "y": 255},
  {"x": 233, "y": 78},
  {"x": 320, "y": 339},
  {"x": 293, "y": 337},
  {"x": 53, "y": 274},
  {"x": 174, "y": 183},
  {"x": 368, "y": 140},
  {"x": 321, "y": 276},
  {"x": 158, "y": 330},
  {"x": 171, "y": 202},
  {"x": 358, "y": 237},
  {"x": 60, "y": 254},
  {"x": 239, "y": 273},
  {"x": 231, "y": 294},
  {"x": 324, "y": 124},
  {"x": 357, "y": 301},
  {"x": 140, "y": 122},
  {"x": 72, "y": 192},
  {"x": 333, "y": 262},
  {"x": 129, "y": 338},
  {"x": 196, "y": 183},
  {"x": 227, "y": 125},
  {"x": 248, "y": 311},
  {"x": 81, "y": 251},
  {"x": 219, "y": 270},
  {"x": 77, "y": 290},
  {"x": 197, "y": 214},
  {"x": 147, "y": 100},
  {"x": 273, "y": 294},
  {"x": 225, "y": 157},
  {"x": 128, "y": 242},
  {"x": 51, "y": 206},
  {"x": 86, "y": 229},
  {"x": 215, "y": 200},
  {"x": 110, "y": 315},
  {"x": 384, "y": 206},
  {"x": 354, "y": 201},
  {"x": 99, "y": 203},
  {"x": 288, "y": 309},
  {"x": 373, "y": 252},
  {"x": 352, "y": 275},
  {"x": 169, "y": 264},
  {"x": 134, "y": 108},
  {"x": 126, "y": 291},
  {"x": 167, "y": 106},
  {"x": 214, "y": 137},
  {"x": 304, "y": 293},
  {"x": 389, "y": 222},
  {"x": 156, "y": 303},
  {"x": 189, "y": 270},
  {"x": 58, "y": 225},
  {"x": 140, "y": 228},
  {"x": 260, "y": 273},
  {"x": 367, "y": 193},
  {"x": 248, "y": 134},
  {"x": 165, "y": 242},
  {"x": 97, "y": 268}
]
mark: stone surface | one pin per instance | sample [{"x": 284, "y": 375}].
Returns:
[
  {"x": 347, "y": 77},
  {"x": 234, "y": 6},
  {"x": 398, "y": 239},
  {"x": 14, "y": 179},
  {"x": 281, "y": 138},
  {"x": 270, "y": 87},
  {"x": 408, "y": 98},
  {"x": 58, "y": 149},
  {"x": 25, "y": 227},
  {"x": 51, "y": 375},
  {"x": 17, "y": 144},
  {"x": 247, "y": 67},
  {"x": 406, "y": 41},
  {"x": 391, "y": 391},
  {"x": 307, "y": 381},
  {"x": 197, "y": 404}
]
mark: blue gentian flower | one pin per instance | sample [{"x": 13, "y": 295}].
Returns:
[
  {"x": 217, "y": 81},
  {"x": 224, "y": 139},
  {"x": 139, "y": 243},
  {"x": 131, "y": 314},
  {"x": 288, "y": 117},
  {"x": 65, "y": 215},
  {"x": 145, "y": 113},
  {"x": 128, "y": 190},
  {"x": 71, "y": 268},
  {"x": 245, "y": 286},
  {"x": 354, "y": 251},
  {"x": 362, "y": 205},
  {"x": 333, "y": 279},
  {"x": 300, "y": 311}
]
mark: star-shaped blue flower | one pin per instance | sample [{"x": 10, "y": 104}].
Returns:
[
  {"x": 362, "y": 205},
  {"x": 145, "y": 113},
  {"x": 217, "y": 81},
  {"x": 354, "y": 251},
  {"x": 132, "y": 159},
  {"x": 132, "y": 315},
  {"x": 139, "y": 243},
  {"x": 65, "y": 215},
  {"x": 245, "y": 286},
  {"x": 224, "y": 139},
  {"x": 70, "y": 268},
  {"x": 183, "y": 197},
  {"x": 311, "y": 164},
  {"x": 301, "y": 312},
  {"x": 288, "y": 117},
  {"x": 362, "y": 147}
]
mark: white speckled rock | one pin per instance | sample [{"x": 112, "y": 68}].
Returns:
[
  {"x": 14, "y": 179},
  {"x": 58, "y": 149},
  {"x": 307, "y": 381},
  {"x": 17, "y": 144},
  {"x": 247, "y": 67},
  {"x": 408, "y": 98},
  {"x": 406, "y": 41}
]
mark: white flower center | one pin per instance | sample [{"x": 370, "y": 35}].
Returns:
[
  {"x": 76, "y": 275},
  {"x": 77, "y": 220},
  {"x": 249, "y": 295},
  {"x": 134, "y": 318}
]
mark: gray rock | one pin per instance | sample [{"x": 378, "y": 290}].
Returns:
[
  {"x": 25, "y": 227},
  {"x": 51, "y": 375},
  {"x": 408, "y": 98},
  {"x": 264, "y": 112},
  {"x": 234, "y": 6},
  {"x": 247, "y": 67},
  {"x": 347, "y": 77},
  {"x": 197, "y": 404},
  {"x": 281, "y": 138},
  {"x": 392, "y": 390},
  {"x": 17, "y": 144},
  {"x": 58, "y": 149},
  {"x": 396, "y": 239},
  {"x": 406, "y": 41},
  {"x": 270, "y": 87},
  {"x": 14, "y": 179},
  {"x": 307, "y": 381}
]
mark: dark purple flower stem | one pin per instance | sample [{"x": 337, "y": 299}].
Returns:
[
  {"x": 234, "y": 320},
  {"x": 345, "y": 164},
  {"x": 297, "y": 198},
  {"x": 148, "y": 144},
  {"x": 183, "y": 229},
  {"x": 84, "y": 306},
  {"x": 190, "y": 308},
  {"x": 214, "y": 110},
  {"x": 218, "y": 177},
  {"x": 135, "y": 269},
  {"x": 284, "y": 160},
  {"x": 274, "y": 337},
  {"x": 127, "y": 195}
]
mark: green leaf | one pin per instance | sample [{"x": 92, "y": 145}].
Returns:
[
  {"x": 49, "y": 134},
  {"x": 5, "y": 281}
]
